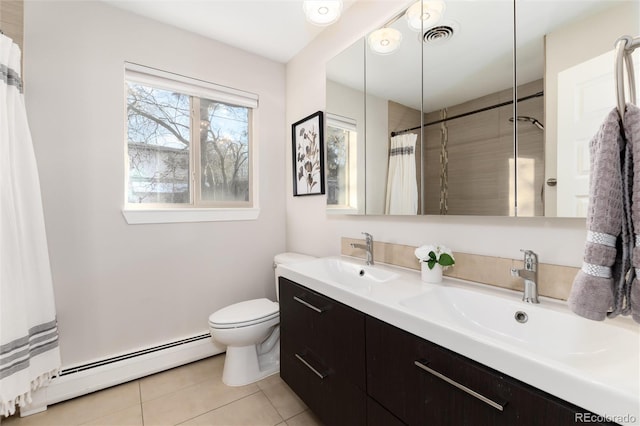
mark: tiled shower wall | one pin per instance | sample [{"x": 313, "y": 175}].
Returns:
[
  {"x": 467, "y": 161},
  {"x": 11, "y": 20}
]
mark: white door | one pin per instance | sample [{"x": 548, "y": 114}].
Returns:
[{"x": 586, "y": 94}]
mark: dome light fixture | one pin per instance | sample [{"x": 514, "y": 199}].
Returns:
[
  {"x": 424, "y": 14},
  {"x": 322, "y": 13},
  {"x": 384, "y": 40}
]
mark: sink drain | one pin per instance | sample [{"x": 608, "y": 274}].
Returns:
[
  {"x": 361, "y": 273},
  {"x": 521, "y": 317}
]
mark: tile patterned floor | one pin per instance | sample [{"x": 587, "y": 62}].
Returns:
[{"x": 189, "y": 395}]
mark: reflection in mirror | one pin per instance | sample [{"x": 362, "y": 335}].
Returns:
[
  {"x": 473, "y": 163},
  {"x": 345, "y": 132},
  {"x": 393, "y": 82},
  {"x": 569, "y": 46},
  {"x": 467, "y": 99},
  {"x": 450, "y": 90},
  {"x": 342, "y": 153}
]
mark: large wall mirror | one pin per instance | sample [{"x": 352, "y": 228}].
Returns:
[{"x": 438, "y": 131}]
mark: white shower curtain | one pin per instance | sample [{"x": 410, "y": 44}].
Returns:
[
  {"x": 402, "y": 187},
  {"x": 29, "y": 353}
]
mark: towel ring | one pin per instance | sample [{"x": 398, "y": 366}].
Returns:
[{"x": 625, "y": 45}]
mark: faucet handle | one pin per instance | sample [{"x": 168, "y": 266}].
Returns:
[{"x": 530, "y": 259}]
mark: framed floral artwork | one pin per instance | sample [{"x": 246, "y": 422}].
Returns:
[{"x": 308, "y": 155}]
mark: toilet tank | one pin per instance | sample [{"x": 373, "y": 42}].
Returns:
[{"x": 286, "y": 259}]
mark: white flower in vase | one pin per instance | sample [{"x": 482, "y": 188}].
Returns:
[{"x": 435, "y": 254}]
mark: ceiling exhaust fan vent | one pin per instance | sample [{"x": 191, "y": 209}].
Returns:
[{"x": 438, "y": 34}]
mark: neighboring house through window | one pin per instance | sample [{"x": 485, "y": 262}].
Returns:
[{"x": 189, "y": 148}]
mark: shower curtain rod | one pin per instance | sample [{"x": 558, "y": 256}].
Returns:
[{"x": 453, "y": 117}]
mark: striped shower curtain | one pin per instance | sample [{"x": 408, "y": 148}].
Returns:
[
  {"x": 29, "y": 353},
  {"x": 402, "y": 186}
]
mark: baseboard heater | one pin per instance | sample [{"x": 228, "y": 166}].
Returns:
[
  {"x": 83, "y": 367},
  {"x": 86, "y": 378}
]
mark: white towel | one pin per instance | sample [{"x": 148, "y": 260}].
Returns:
[{"x": 29, "y": 353}]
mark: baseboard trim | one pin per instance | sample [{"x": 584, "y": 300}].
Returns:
[{"x": 121, "y": 369}]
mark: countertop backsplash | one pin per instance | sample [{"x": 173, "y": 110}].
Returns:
[{"x": 553, "y": 280}]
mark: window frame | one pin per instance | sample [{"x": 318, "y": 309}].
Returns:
[
  {"x": 196, "y": 210},
  {"x": 349, "y": 125}
]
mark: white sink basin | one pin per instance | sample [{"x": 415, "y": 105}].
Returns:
[
  {"x": 341, "y": 270},
  {"x": 538, "y": 328},
  {"x": 346, "y": 274}
]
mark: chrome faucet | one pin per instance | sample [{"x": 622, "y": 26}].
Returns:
[
  {"x": 530, "y": 276},
  {"x": 368, "y": 247}
]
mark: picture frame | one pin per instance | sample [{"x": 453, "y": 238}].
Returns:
[{"x": 307, "y": 139}]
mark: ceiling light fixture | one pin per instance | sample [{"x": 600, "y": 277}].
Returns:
[
  {"x": 385, "y": 40},
  {"x": 424, "y": 14},
  {"x": 322, "y": 13}
]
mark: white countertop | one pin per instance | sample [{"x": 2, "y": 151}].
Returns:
[{"x": 599, "y": 374}]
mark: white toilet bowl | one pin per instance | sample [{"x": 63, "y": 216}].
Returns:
[{"x": 251, "y": 332}]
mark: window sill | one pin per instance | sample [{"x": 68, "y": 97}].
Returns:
[{"x": 142, "y": 216}]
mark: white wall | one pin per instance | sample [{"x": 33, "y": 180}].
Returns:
[
  {"x": 377, "y": 154},
  {"x": 119, "y": 287},
  {"x": 310, "y": 230}
]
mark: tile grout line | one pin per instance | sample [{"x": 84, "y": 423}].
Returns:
[
  {"x": 223, "y": 405},
  {"x": 293, "y": 415},
  {"x": 191, "y": 384},
  {"x": 119, "y": 410},
  {"x": 141, "y": 407},
  {"x": 274, "y": 407}
]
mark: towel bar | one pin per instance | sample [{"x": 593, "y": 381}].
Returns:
[{"x": 625, "y": 46}]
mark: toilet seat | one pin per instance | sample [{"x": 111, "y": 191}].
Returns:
[{"x": 244, "y": 314}]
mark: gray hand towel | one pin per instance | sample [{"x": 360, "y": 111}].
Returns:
[
  {"x": 631, "y": 292},
  {"x": 592, "y": 294}
]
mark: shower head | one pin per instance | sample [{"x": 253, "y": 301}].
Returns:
[{"x": 531, "y": 120}]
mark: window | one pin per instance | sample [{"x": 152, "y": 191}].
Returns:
[
  {"x": 341, "y": 161},
  {"x": 188, "y": 142}
]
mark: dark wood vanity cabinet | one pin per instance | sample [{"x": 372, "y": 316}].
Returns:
[
  {"x": 322, "y": 354},
  {"x": 353, "y": 369},
  {"x": 424, "y": 384}
]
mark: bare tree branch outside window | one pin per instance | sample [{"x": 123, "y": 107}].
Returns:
[
  {"x": 159, "y": 148},
  {"x": 224, "y": 139}
]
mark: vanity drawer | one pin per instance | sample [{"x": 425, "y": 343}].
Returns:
[
  {"x": 322, "y": 354},
  {"x": 333, "y": 332},
  {"x": 333, "y": 399},
  {"x": 423, "y": 383},
  {"x": 455, "y": 390}
]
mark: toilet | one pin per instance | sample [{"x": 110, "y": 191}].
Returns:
[{"x": 251, "y": 332}]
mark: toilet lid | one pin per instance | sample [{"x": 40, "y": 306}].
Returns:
[{"x": 245, "y": 313}]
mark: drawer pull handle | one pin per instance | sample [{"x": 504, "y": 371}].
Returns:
[
  {"x": 310, "y": 367},
  {"x": 462, "y": 387},
  {"x": 308, "y": 305}
]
